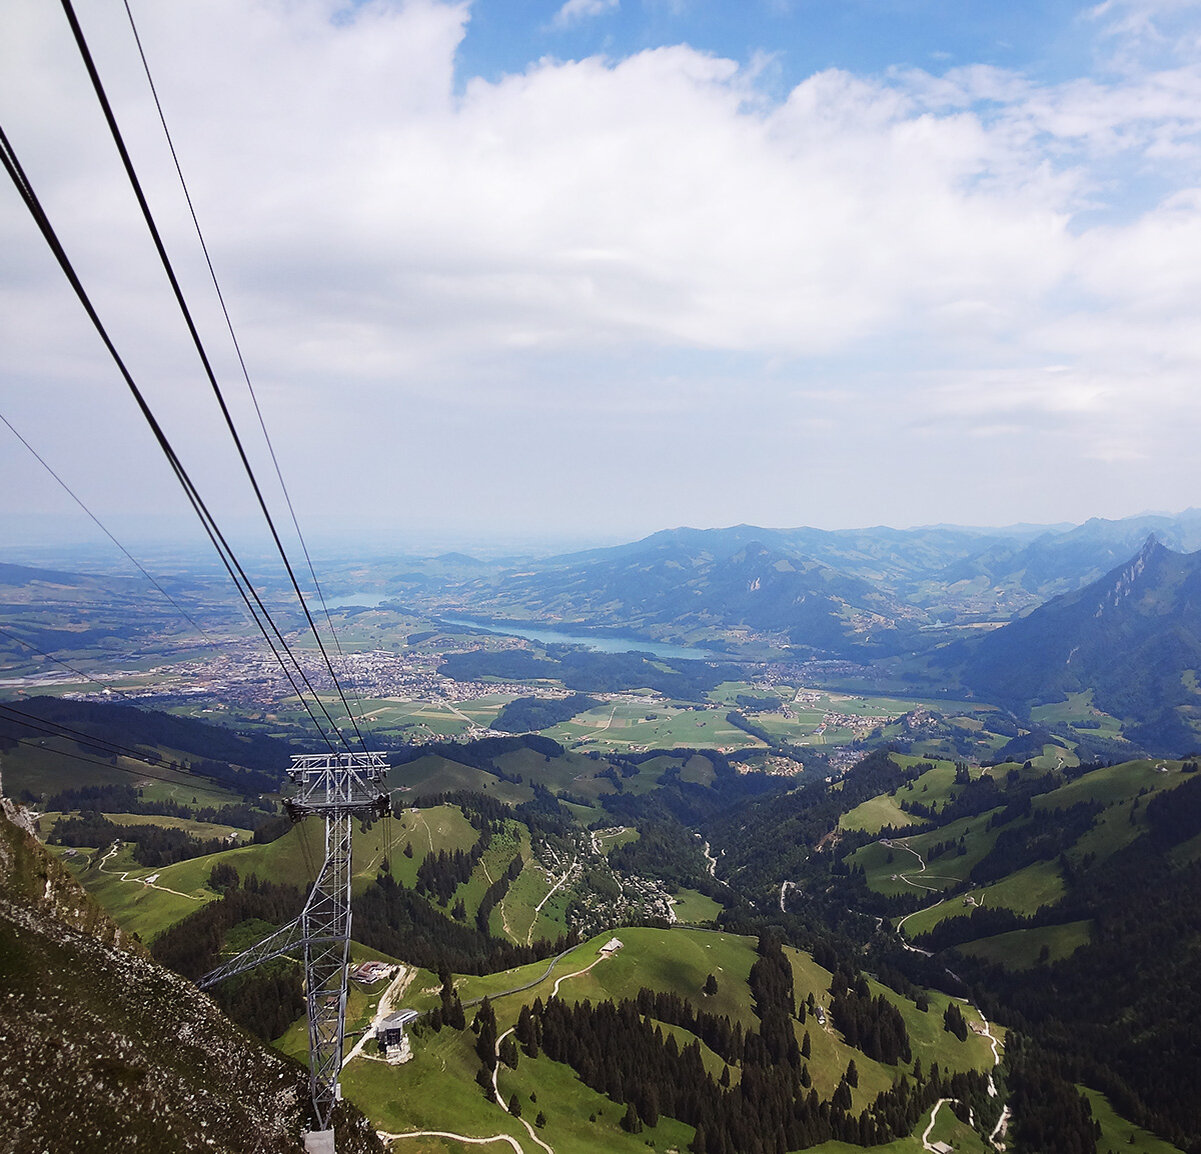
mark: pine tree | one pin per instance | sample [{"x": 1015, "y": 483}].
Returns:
[
  {"x": 842, "y": 1096},
  {"x": 485, "y": 1022}
]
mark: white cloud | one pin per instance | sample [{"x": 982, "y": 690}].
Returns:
[
  {"x": 574, "y": 11},
  {"x": 640, "y": 239},
  {"x": 1139, "y": 32}
]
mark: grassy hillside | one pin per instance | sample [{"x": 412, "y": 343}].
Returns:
[{"x": 674, "y": 961}]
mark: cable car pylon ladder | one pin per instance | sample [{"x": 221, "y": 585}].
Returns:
[{"x": 338, "y": 787}]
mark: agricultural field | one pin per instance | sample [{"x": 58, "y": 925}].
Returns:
[{"x": 618, "y": 726}]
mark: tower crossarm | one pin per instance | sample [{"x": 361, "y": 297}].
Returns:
[
  {"x": 346, "y": 784},
  {"x": 286, "y": 940}
]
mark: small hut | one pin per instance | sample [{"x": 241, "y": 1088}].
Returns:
[{"x": 394, "y": 1038}]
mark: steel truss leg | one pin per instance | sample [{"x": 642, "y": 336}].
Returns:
[{"x": 326, "y": 923}]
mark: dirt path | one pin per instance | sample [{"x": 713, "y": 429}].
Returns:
[
  {"x": 993, "y": 1040},
  {"x": 550, "y": 969},
  {"x": 365, "y": 871},
  {"x": 575, "y": 974},
  {"x": 395, "y": 991},
  {"x": 504, "y": 921},
  {"x": 496, "y": 1088},
  {"x": 918, "y": 886},
  {"x": 934, "y": 1118},
  {"x": 428, "y": 834},
  {"x": 390, "y": 1138},
  {"x": 150, "y": 881},
  {"x": 997, "y": 1137}
]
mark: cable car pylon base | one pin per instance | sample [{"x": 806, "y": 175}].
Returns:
[{"x": 338, "y": 787}]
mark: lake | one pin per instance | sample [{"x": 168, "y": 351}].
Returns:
[{"x": 548, "y": 636}]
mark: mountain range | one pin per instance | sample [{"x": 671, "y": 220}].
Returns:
[
  {"x": 1131, "y": 640},
  {"x": 839, "y": 590}
]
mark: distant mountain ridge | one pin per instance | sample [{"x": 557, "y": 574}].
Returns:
[
  {"x": 856, "y": 592},
  {"x": 687, "y": 582},
  {"x": 1133, "y": 638}
]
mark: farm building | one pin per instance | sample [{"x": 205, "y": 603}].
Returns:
[{"x": 370, "y": 972}]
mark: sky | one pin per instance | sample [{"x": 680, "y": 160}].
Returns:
[{"x": 583, "y": 270}]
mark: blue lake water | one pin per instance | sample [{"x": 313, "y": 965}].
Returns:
[{"x": 548, "y": 636}]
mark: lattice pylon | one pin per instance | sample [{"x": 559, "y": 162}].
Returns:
[
  {"x": 326, "y": 944},
  {"x": 338, "y": 787}
]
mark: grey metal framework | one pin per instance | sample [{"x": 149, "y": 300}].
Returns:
[{"x": 338, "y": 787}]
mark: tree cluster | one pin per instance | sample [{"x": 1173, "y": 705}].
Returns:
[
  {"x": 495, "y": 893},
  {"x": 873, "y": 1025},
  {"x": 192, "y": 947},
  {"x": 396, "y": 920},
  {"x": 529, "y": 714},
  {"x": 153, "y": 845},
  {"x": 1040, "y": 836}
]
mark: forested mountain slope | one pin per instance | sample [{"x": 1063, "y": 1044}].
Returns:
[
  {"x": 1133, "y": 638},
  {"x": 678, "y": 585},
  {"x": 1059, "y": 901}
]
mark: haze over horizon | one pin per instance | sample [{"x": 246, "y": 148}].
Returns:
[{"x": 586, "y": 270}]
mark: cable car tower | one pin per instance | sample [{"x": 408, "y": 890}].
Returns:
[{"x": 338, "y": 787}]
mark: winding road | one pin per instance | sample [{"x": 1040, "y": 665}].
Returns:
[
  {"x": 496, "y": 1089},
  {"x": 998, "y": 1131}
]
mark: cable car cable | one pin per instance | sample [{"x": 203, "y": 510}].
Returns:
[
  {"x": 100, "y": 525},
  {"x": 234, "y": 337},
  {"x": 160, "y": 247},
  {"x": 233, "y": 567}
]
